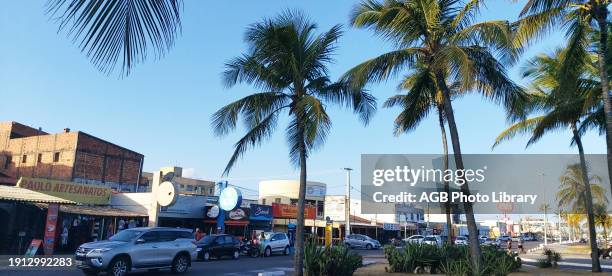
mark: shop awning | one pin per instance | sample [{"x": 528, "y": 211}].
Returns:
[
  {"x": 24, "y": 195},
  {"x": 100, "y": 211}
]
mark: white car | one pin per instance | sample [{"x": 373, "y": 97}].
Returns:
[
  {"x": 276, "y": 243},
  {"x": 433, "y": 240},
  {"x": 414, "y": 239},
  {"x": 461, "y": 240}
]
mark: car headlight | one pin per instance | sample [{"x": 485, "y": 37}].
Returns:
[{"x": 100, "y": 250}]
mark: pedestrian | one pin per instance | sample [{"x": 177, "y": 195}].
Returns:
[
  {"x": 198, "y": 234},
  {"x": 509, "y": 245},
  {"x": 262, "y": 238},
  {"x": 520, "y": 246}
]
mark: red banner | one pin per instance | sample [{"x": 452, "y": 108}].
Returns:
[
  {"x": 290, "y": 211},
  {"x": 50, "y": 228}
]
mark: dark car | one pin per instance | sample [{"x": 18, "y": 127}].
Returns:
[{"x": 217, "y": 246}]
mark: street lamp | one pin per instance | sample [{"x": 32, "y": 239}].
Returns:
[{"x": 347, "y": 203}]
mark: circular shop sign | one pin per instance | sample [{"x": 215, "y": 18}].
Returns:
[
  {"x": 230, "y": 198},
  {"x": 213, "y": 212}
]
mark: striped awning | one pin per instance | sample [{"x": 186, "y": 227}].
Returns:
[{"x": 24, "y": 195}]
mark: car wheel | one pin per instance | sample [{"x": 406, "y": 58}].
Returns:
[
  {"x": 368, "y": 246},
  {"x": 286, "y": 252},
  {"x": 236, "y": 255},
  {"x": 118, "y": 267},
  {"x": 180, "y": 264},
  {"x": 268, "y": 252},
  {"x": 206, "y": 256},
  {"x": 90, "y": 272}
]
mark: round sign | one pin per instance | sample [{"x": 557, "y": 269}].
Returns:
[
  {"x": 230, "y": 198},
  {"x": 213, "y": 212},
  {"x": 166, "y": 194}
]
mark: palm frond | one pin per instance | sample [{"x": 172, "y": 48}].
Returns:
[
  {"x": 524, "y": 127},
  {"x": 122, "y": 32}
]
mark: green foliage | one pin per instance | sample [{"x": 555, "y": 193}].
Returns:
[
  {"x": 450, "y": 259},
  {"x": 551, "y": 259},
  {"x": 337, "y": 260}
]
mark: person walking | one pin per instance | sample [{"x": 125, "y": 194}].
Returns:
[
  {"x": 521, "y": 249},
  {"x": 509, "y": 244},
  {"x": 198, "y": 234}
]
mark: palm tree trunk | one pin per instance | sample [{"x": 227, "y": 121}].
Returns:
[
  {"x": 447, "y": 207},
  {"x": 299, "y": 231},
  {"x": 601, "y": 14},
  {"x": 589, "y": 203},
  {"x": 454, "y": 134}
]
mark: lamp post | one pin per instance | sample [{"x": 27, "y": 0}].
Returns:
[{"x": 347, "y": 203}]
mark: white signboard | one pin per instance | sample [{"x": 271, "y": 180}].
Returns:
[{"x": 334, "y": 208}]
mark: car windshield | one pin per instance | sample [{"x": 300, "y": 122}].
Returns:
[
  {"x": 461, "y": 238},
  {"x": 268, "y": 235},
  {"x": 430, "y": 239},
  {"x": 126, "y": 235}
]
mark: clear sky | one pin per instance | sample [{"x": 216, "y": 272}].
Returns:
[{"x": 163, "y": 108}]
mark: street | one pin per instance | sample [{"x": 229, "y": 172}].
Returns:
[{"x": 283, "y": 265}]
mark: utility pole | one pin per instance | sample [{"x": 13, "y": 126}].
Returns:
[{"x": 347, "y": 203}]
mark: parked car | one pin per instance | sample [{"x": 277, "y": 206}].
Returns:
[
  {"x": 490, "y": 241},
  {"x": 361, "y": 241},
  {"x": 218, "y": 246},
  {"x": 275, "y": 243},
  {"x": 433, "y": 240},
  {"x": 461, "y": 240},
  {"x": 414, "y": 239},
  {"x": 138, "y": 248},
  {"x": 503, "y": 238}
]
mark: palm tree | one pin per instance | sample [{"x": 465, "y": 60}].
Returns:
[
  {"x": 573, "y": 222},
  {"x": 603, "y": 219},
  {"x": 441, "y": 35},
  {"x": 577, "y": 17},
  {"x": 421, "y": 98},
  {"x": 572, "y": 190},
  {"x": 561, "y": 108},
  {"x": 288, "y": 61},
  {"x": 119, "y": 32}
]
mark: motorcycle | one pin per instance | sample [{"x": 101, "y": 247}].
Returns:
[{"x": 249, "y": 249}]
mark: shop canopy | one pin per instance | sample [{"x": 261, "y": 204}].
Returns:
[
  {"x": 24, "y": 195},
  {"x": 100, "y": 211}
]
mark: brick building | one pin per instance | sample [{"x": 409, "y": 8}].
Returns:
[{"x": 70, "y": 156}]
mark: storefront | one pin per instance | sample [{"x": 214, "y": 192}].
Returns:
[
  {"x": 21, "y": 220},
  {"x": 260, "y": 218},
  {"x": 286, "y": 214},
  {"x": 236, "y": 221}
]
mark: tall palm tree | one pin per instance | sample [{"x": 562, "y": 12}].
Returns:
[
  {"x": 578, "y": 18},
  {"x": 421, "y": 98},
  {"x": 573, "y": 222},
  {"x": 572, "y": 190},
  {"x": 603, "y": 219},
  {"x": 118, "y": 32},
  {"x": 441, "y": 35},
  {"x": 562, "y": 107},
  {"x": 288, "y": 61}
]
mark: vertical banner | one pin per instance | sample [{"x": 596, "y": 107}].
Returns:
[{"x": 50, "y": 228}]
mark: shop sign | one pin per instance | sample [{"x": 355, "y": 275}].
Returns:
[
  {"x": 230, "y": 198},
  {"x": 237, "y": 214},
  {"x": 213, "y": 212},
  {"x": 315, "y": 191},
  {"x": 261, "y": 212},
  {"x": 81, "y": 193},
  {"x": 50, "y": 228},
  {"x": 391, "y": 226},
  {"x": 280, "y": 210}
]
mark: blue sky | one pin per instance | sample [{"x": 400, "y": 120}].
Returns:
[{"x": 163, "y": 108}]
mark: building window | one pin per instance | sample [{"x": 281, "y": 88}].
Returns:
[
  {"x": 294, "y": 201},
  {"x": 263, "y": 201},
  {"x": 24, "y": 158},
  {"x": 8, "y": 162},
  {"x": 211, "y": 191},
  {"x": 39, "y": 159},
  {"x": 277, "y": 200},
  {"x": 320, "y": 208},
  {"x": 56, "y": 157}
]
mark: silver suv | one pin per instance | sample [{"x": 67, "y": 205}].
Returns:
[{"x": 138, "y": 248}]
